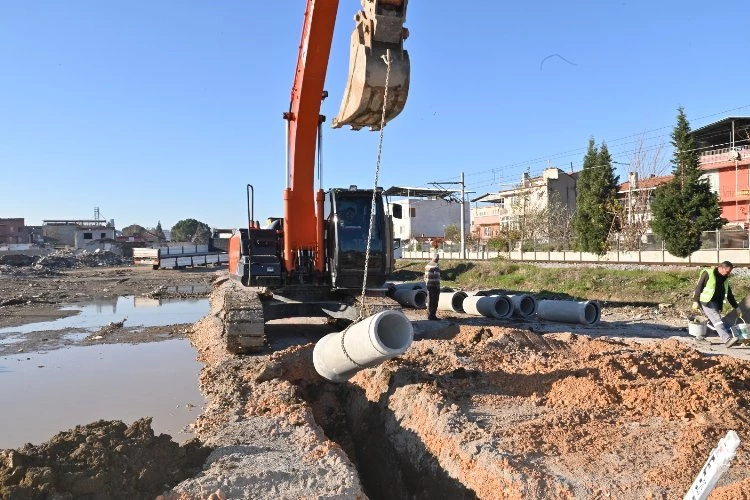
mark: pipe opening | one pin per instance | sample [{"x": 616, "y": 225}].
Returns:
[
  {"x": 527, "y": 306},
  {"x": 591, "y": 313},
  {"x": 502, "y": 307},
  {"x": 420, "y": 299},
  {"x": 457, "y": 302},
  {"x": 394, "y": 332}
]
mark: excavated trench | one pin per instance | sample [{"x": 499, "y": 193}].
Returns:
[{"x": 390, "y": 464}]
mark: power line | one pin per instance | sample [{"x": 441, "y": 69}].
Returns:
[{"x": 565, "y": 154}]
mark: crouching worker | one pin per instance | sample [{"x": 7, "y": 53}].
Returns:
[{"x": 711, "y": 293}]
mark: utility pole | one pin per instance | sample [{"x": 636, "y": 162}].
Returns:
[
  {"x": 463, "y": 215},
  {"x": 463, "y": 210}
]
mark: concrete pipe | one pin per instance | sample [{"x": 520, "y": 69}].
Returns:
[
  {"x": 494, "y": 306},
  {"x": 411, "y": 298},
  {"x": 524, "y": 305},
  {"x": 567, "y": 311},
  {"x": 451, "y": 301},
  {"x": 410, "y": 286},
  {"x": 338, "y": 356}
]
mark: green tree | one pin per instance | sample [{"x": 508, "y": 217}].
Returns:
[
  {"x": 595, "y": 201},
  {"x": 134, "y": 230},
  {"x": 191, "y": 230},
  {"x": 159, "y": 232},
  {"x": 685, "y": 207},
  {"x": 452, "y": 233}
]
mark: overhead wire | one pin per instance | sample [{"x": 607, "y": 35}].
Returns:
[{"x": 617, "y": 149}]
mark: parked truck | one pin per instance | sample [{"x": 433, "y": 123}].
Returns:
[{"x": 175, "y": 257}]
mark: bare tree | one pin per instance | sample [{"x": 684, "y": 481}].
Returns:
[{"x": 633, "y": 212}]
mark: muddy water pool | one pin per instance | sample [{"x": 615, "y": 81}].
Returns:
[{"x": 45, "y": 392}]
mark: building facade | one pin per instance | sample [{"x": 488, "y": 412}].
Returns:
[
  {"x": 78, "y": 234},
  {"x": 12, "y": 231},
  {"x": 427, "y": 219},
  {"x": 724, "y": 156},
  {"x": 512, "y": 208},
  {"x": 636, "y": 196}
]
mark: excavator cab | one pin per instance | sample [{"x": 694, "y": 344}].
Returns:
[
  {"x": 348, "y": 229},
  {"x": 379, "y": 33}
]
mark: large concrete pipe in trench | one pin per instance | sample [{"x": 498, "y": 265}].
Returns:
[
  {"x": 567, "y": 311},
  {"x": 524, "y": 305},
  {"x": 385, "y": 335},
  {"x": 451, "y": 301},
  {"x": 411, "y": 298},
  {"x": 493, "y": 306}
]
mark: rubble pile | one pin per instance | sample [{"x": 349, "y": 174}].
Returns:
[{"x": 16, "y": 260}]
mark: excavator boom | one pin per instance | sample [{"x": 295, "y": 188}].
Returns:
[{"x": 379, "y": 31}]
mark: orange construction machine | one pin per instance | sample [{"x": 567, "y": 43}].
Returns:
[{"x": 312, "y": 261}]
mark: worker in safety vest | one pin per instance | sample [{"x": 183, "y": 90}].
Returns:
[
  {"x": 432, "y": 280},
  {"x": 711, "y": 293}
]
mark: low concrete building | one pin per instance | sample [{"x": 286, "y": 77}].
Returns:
[
  {"x": 79, "y": 234},
  {"x": 510, "y": 208},
  {"x": 12, "y": 231},
  {"x": 426, "y": 214}
]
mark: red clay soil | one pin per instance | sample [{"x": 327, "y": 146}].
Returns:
[{"x": 510, "y": 414}]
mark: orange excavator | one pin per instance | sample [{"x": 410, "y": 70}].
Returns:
[{"x": 312, "y": 261}]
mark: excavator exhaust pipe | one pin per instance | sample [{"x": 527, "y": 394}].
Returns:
[{"x": 377, "y": 37}]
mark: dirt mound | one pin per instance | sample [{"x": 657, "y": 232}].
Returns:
[
  {"x": 99, "y": 460},
  {"x": 561, "y": 415}
]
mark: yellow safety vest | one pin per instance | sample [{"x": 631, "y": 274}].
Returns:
[{"x": 710, "y": 288}]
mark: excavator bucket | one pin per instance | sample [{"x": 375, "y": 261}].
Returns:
[{"x": 377, "y": 37}]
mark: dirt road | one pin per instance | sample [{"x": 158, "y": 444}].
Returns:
[{"x": 476, "y": 408}]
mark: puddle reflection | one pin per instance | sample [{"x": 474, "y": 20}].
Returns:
[
  {"x": 139, "y": 311},
  {"x": 55, "y": 391}
]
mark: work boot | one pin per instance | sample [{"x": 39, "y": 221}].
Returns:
[{"x": 731, "y": 342}]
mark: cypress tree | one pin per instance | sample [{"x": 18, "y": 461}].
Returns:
[
  {"x": 597, "y": 193},
  {"x": 685, "y": 206}
]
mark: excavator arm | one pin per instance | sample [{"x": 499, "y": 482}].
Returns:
[{"x": 378, "y": 30}]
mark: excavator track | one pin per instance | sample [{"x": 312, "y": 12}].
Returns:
[{"x": 242, "y": 317}]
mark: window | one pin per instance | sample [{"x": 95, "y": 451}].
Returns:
[
  {"x": 88, "y": 236},
  {"x": 501, "y": 203},
  {"x": 413, "y": 212},
  {"x": 104, "y": 235}
]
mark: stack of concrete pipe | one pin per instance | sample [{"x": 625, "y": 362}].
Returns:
[
  {"x": 385, "y": 335},
  {"x": 452, "y": 301},
  {"x": 409, "y": 295},
  {"x": 524, "y": 305},
  {"x": 490, "y": 306},
  {"x": 586, "y": 312}
]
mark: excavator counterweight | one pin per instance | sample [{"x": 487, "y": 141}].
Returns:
[{"x": 379, "y": 32}]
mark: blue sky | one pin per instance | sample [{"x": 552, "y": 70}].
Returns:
[{"x": 165, "y": 110}]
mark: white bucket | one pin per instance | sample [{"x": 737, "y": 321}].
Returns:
[
  {"x": 697, "y": 330},
  {"x": 740, "y": 331}
]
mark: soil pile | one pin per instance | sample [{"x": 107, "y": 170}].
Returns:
[
  {"x": 266, "y": 438},
  {"x": 99, "y": 460},
  {"x": 512, "y": 414}
]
